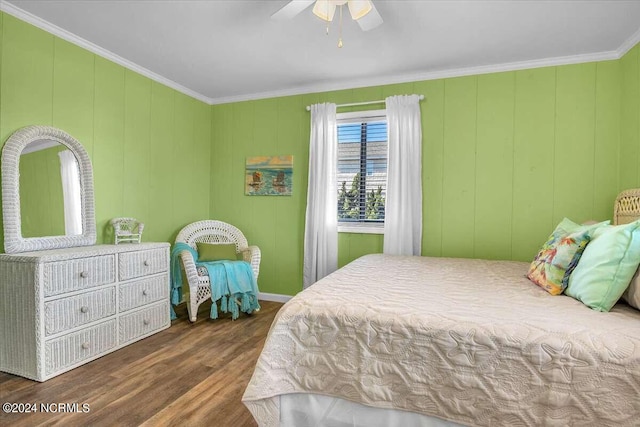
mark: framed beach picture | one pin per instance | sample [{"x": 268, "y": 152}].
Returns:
[{"x": 268, "y": 176}]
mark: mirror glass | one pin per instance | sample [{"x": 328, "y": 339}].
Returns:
[{"x": 50, "y": 198}]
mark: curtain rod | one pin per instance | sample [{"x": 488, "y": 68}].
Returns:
[{"x": 355, "y": 104}]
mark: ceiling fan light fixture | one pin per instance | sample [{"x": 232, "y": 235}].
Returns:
[
  {"x": 324, "y": 9},
  {"x": 359, "y": 8}
]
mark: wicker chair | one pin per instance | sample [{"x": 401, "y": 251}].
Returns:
[
  {"x": 627, "y": 207},
  {"x": 210, "y": 231},
  {"x": 127, "y": 230}
]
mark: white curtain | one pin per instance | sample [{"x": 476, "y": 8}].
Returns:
[
  {"x": 321, "y": 220},
  {"x": 403, "y": 207},
  {"x": 71, "y": 193}
]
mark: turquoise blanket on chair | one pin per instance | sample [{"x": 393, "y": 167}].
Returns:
[{"x": 232, "y": 283}]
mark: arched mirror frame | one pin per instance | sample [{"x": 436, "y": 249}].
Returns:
[{"x": 13, "y": 240}]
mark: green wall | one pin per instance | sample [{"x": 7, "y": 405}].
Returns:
[
  {"x": 630, "y": 120},
  {"x": 505, "y": 157},
  {"x": 149, "y": 144}
]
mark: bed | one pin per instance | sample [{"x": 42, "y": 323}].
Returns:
[{"x": 391, "y": 340}]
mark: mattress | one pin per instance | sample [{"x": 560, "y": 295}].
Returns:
[{"x": 469, "y": 341}]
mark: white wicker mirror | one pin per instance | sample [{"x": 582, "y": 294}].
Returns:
[{"x": 14, "y": 241}]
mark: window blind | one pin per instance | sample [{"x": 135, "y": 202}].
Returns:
[{"x": 362, "y": 169}]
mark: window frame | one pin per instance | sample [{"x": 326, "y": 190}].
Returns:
[{"x": 362, "y": 117}]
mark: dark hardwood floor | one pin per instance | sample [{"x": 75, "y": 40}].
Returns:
[{"x": 187, "y": 375}]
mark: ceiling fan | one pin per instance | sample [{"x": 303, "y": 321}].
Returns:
[{"x": 361, "y": 11}]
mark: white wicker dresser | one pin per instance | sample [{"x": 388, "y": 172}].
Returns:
[{"x": 62, "y": 308}]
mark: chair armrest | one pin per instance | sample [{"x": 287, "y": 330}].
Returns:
[
  {"x": 140, "y": 227},
  {"x": 252, "y": 255},
  {"x": 190, "y": 270}
]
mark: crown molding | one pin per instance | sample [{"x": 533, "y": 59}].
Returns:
[
  {"x": 629, "y": 44},
  {"x": 47, "y": 26},
  {"x": 326, "y": 86},
  {"x": 431, "y": 75}
]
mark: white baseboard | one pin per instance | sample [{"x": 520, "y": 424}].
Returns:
[{"x": 274, "y": 297}]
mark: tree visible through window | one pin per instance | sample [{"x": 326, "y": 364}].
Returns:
[{"x": 362, "y": 169}]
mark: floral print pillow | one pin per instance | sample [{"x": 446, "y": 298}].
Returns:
[{"x": 558, "y": 257}]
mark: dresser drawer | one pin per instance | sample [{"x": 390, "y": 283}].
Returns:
[
  {"x": 142, "y": 292},
  {"x": 68, "y": 313},
  {"x": 142, "y": 263},
  {"x": 142, "y": 322},
  {"x": 74, "y": 348},
  {"x": 65, "y": 276}
]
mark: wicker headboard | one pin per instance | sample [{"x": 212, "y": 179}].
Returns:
[{"x": 627, "y": 208}]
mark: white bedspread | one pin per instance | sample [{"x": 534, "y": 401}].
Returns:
[{"x": 469, "y": 341}]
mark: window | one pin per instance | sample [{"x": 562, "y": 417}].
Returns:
[{"x": 362, "y": 171}]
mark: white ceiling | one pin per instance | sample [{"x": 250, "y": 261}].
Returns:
[{"x": 222, "y": 51}]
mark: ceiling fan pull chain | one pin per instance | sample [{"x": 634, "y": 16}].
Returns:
[
  {"x": 328, "y": 20},
  {"x": 340, "y": 29}
]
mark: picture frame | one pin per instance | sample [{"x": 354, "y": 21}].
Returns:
[{"x": 269, "y": 176}]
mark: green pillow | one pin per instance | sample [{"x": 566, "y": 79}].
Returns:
[
  {"x": 559, "y": 255},
  {"x": 216, "y": 252},
  {"x": 607, "y": 266}
]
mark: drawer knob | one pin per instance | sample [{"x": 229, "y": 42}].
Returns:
[
  {"x": 146, "y": 263},
  {"x": 84, "y": 309},
  {"x": 84, "y": 274},
  {"x": 145, "y": 322},
  {"x": 85, "y": 345},
  {"x": 144, "y": 292}
]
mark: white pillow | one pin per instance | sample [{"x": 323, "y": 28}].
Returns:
[{"x": 632, "y": 294}]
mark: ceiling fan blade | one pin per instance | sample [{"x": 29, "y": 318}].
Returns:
[
  {"x": 359, "y": 8},
  {"x": 291, "y": 9},
  {"x": 371, "y": 20}
]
